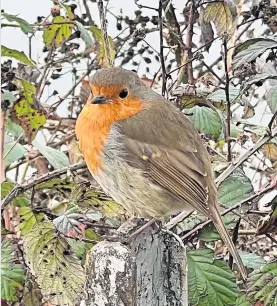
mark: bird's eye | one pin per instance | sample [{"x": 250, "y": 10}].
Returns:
[{"x": 123, "y": 93}]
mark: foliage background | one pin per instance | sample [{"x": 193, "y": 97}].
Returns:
[{"x": 215, "y": 60}]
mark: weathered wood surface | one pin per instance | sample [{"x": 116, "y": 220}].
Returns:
[{"x": 149, "y": 271}]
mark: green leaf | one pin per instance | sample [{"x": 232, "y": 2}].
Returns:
[
  {"x": 220, "y": 14},
  {"x": 271, "y": 98},
  {"x": 210, "y": 281},
  {"x": 63, "y": 184},
  {"x": 13, "y": 128},
  {"x": 220, "y": 95},
  {"x": 243, "y": 300},
  {"x": 6, "y": 188},
  {"x": 101, "y": 54},
  {"x": 24, "y": 25},
  {"x": 258, "y": 79},
  {"x": 84, "y": 34},
  {"x": 20, "y": 56},
  {"x": 7, "y": 95},
  {"x": 209, "y": 233},
  {"x": 56, "y": 158},
  {"x": 58, "y": 272},
  {"x": 205, "y": 120},
  {"x": 251, "y": 51},
  {"x": 262, "y": 285},
  {"x": 28, "y": 219},
  {"x": 12, "y": 150},
  {"x": 234, "y": 189},
  {"x": 56, "y": 34},
  {"x": 70, "y": 223},
  {"x": 85, "y": 197},
  {"x": 12, "y": 274},
  {"x": 252, "y": 260},
  {"x": 26, "y": 111}
]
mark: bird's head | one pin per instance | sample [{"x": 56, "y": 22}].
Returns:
[{"x": 115, "y": 94}]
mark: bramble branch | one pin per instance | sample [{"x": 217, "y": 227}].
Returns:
[
  {"x": 102, "y": 16},
  {"x": 19, "y": 189}
]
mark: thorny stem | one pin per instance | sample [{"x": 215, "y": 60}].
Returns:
[
  {"x": 2, "y": 145},
  {"x": 102, "y": 16},
  {"x": 160, "y": 11},
  {"x": 44, "y": 178},
  {"x": 188, "y": 55},
  {"x": 228, "y": 120}
]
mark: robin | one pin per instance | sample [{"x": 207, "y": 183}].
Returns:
[{"x": 144, "y": 152}]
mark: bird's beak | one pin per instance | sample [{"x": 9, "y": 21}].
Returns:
[{"x": 100, "y": 99}]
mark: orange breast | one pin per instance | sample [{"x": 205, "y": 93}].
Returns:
[{"x": 93, "y": 126}]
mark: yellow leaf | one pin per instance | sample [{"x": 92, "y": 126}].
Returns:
[
  {"x": 270, "y": 150},
  {"x": 220, "y": 14},
  {"x": 56, "y": 33},
  {"x": 100, "y": 46},
  {"x": 27, "y": 112}
]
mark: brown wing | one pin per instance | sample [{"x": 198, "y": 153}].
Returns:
[{"x": 164, "y": 143}]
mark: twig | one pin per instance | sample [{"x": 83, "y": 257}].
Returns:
[
  {"x": 187, "y": 57},
  {"x": 19, "y": 189},
  {"x": 245, "y": 156},
  {"x": 213, "y": 73},
  {"x": 164, "y": 77},
  {"x": 254, "y": 196},
  {"x": 2, "y": 145},
  {"x": 229, "y": 115},
  {"x": 57, "y": 103},
  {"x": 102, "y": 16},
  {"x": 90, "y": 21}
]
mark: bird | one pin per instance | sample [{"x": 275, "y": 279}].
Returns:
[{"x": 144, "y": 152}]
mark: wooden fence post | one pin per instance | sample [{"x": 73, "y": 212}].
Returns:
[{"x": 149, "y": 271}]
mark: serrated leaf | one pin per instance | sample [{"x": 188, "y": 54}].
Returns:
[
  {"x": 84, "y": 34},
  {"x": 18, "y": 55},
  {"x": 12, "y": 273},
  {"x": 70, "y": 223},
  {"x": 243, "y": 300},
  {"x": 220, "y": 14},
  {"x": 234, "y": 189},
  {"x": 210, "y": 281},
  {"x": 69, "y": 11},
  {"x": 89, "y": 198},
  {"x": 27, "y": 112},
  {"x": 252, "y": 51},
  {"x": 57, "y": 183},
  {"x": 188, "y": 101},
  {"x": 209, "y": 233},
  {"x": 55, "y": 34},
  {"x": 58, "y": 272},
  {"x": 101, "y": 53},
  {"x": 220, "y": 95},
  {"x": 251, "y": 260},
  {"x": 27, "y": 219},
  {"x": 257, "y": 79},
  {"x": 205, "y": 120},
  {"x": 262, "y": 285},
  {"x": 271, "y": 98},
  {"x": 24, "y": 25},
  {"x": 56, "y": 158}
]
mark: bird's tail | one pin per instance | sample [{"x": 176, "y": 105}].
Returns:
[{"x": 217, "y": 219}]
